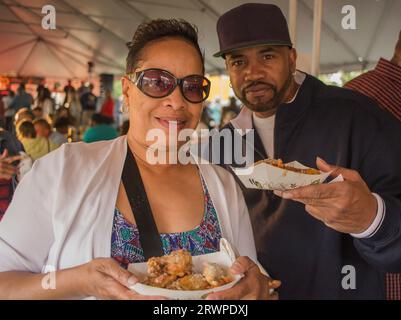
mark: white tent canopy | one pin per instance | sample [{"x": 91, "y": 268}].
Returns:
[{"x": 88, "y": 30}]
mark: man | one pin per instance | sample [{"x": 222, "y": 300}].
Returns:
[
  {"x": 69, "y": 91},
  {"x": 329, "y": 241},
  {"x": 88, "y": 102},
  {"x": 383, "y": 84},
  {"x": 44, "y": 130},
  {"x": 22, "y": 100}
]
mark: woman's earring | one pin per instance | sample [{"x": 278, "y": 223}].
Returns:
[
  {"x": 230, "y": 85},
  {"x": 124, "y": 108}
]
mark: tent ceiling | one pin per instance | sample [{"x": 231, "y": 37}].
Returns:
[{"x": 97, "y": 31}]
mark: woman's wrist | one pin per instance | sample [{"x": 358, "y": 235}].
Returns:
[{"x": 71, "y": 282}]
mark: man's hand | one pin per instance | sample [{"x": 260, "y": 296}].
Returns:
[
  {"x": 253, "y": 286},
  {"x": 347, "y": 206},
  {"x": 7, "y": 169}
]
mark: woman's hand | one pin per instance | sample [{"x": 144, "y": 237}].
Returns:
[
  {"x": 105, "y": 279},
  {"x": 253, "y": 286}
]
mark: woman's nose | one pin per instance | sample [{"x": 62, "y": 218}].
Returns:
[{"x": 176, "y": 100}]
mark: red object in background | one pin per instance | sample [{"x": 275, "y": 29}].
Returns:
[{"x": 108, "y": 108}]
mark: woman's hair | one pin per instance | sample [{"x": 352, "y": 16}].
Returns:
[
  {"x": 156, "y": 30},
  {"x": 26, "y": 129},
  {"x": 23, "y": 114}
]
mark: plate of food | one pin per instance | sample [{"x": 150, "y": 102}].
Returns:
[
  {"x": 182, "y": 276},
  {"x": 272, "y": 174}
]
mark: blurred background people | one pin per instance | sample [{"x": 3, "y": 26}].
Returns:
[
  {"x": 10, "y": 148},
  {"x": 45, "y": 102},
  {"x": 22, "y": 99},
  {"x": 107, "y": 109},
  {"x": 88, "y": 103},
  {"x": 44, "y": 129},
  {"x": 8, "y": 111},
  {"x": 101, "y": 129},
  {"x": 124, "y": 128},
  {"x": 34, "y": 146},
  {"x": 61, "y": 131},
  {"x": 69, "y": 91}
]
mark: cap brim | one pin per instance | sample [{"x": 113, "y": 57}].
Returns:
[{"x": 244, "y": 45}]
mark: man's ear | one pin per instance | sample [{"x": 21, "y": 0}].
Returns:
[{"x": 293, "y": 59}]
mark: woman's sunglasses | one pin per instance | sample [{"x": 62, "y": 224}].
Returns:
[{"x": 158, "y": 83}]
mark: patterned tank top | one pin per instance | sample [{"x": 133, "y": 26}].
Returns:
[{"x": 126, "y": 245}]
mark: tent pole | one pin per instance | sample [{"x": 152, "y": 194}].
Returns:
[
  {"x": 293, "y": 21},
  {"x": 317, "y": 28}
]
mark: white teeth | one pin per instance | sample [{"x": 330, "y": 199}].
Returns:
[{"x": 175, "y": 121}]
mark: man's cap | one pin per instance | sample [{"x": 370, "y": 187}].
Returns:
[{"x": 250, "y": 25}]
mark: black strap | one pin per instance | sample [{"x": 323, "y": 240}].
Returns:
[{"x": 148, "y": 233}]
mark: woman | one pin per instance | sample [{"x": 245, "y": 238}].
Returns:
[
  {"x": 78, "y": 219},
  {"x": 35, "y": 146},
  {"x": 107, "y": 109}
]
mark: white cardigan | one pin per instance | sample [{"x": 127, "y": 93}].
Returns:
[{"x": 62, "y": 211}]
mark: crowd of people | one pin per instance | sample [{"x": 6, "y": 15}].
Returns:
[{"x": 88, "y": 210}]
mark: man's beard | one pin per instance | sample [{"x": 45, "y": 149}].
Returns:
[{"x": 264, "y": 106}]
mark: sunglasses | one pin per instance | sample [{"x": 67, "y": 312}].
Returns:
[{"x": 158, "y": 83}]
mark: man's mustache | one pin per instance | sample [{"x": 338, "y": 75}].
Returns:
[{"x": 255, "y": 83}]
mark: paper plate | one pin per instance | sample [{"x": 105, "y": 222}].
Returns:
[
  {"x": 225, "y": 257},
  {"x": 269, "y": 177}
]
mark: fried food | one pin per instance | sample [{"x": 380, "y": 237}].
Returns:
[
  {"x": 178, "y": 263},
  {"x": 174, "y": 271},
  {"x": 279, "y": 164},
  {"x": 161, "y": 281},
  {"x": 215, "y": 275},
  {"x": 190, "y": 282}
]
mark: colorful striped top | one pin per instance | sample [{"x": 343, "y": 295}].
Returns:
[{"x": 126, "y": 246}]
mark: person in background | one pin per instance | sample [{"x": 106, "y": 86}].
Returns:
[
  {"x": 10, "y": 149},
  {"x": 8, "y": 112},
  {"x": 60, "y": 135},
  {"x": 75, "y": 108},
  {"x": 38, "y": 112},
  {"x": 21, "y": 115},
  {"x": 69, "y": 91},
  {"x": 231, "y": 109},
  {"x": 88, "y": 103},
  {"x": 45, "y": 102},
  {"x": 35, "y": 147},
  {"x": 107, "y": 109},
  {"x": 82, "y": 89},
  {"x": 44, "y": 129},
  {"x": 100, "y": 129},
  {"x": 124, "y": 128},
  {"x": 2, "y": 112},
  {"x": 22, "y": 99},
  {"x": 383, "y": 84},
  {"x": 64, "y": 112}
]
